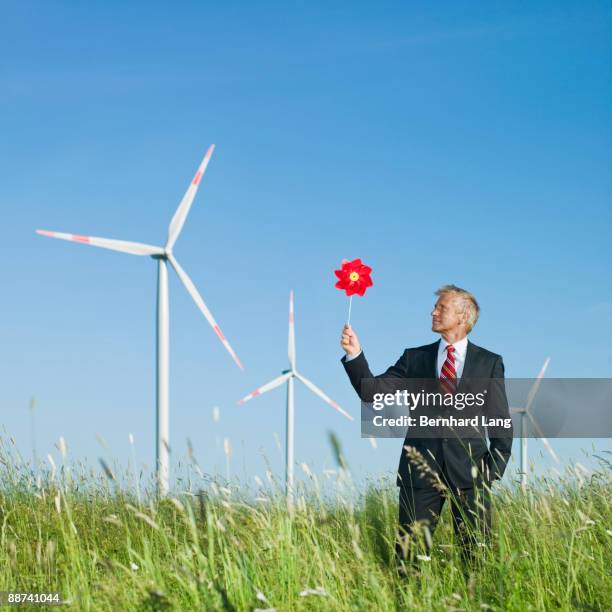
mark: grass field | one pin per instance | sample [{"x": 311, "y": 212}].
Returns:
[{"x": 106, "y": 547}]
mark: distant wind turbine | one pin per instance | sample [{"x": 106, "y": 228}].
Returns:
[
  {"x": 162, "y": 255},
  {"x": 526, "y": 414},
  {"x": 288, "y": 376}
]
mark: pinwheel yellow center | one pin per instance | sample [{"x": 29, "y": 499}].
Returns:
[{"x": 354, "y": 276}]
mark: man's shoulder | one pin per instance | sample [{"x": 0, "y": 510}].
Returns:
[
  {"x": 483, "y": 352},
  {"x": 426, "y": 348}
]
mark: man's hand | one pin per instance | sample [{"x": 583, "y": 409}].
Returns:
[{"x": 350, "y": 341}]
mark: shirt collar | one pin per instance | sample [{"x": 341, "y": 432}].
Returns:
[{"x": 460, "y": 347}]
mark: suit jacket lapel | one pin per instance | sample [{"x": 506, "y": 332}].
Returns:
[
  {"x": 469, "y": 366},
  {"x": 432, "y": 361}
]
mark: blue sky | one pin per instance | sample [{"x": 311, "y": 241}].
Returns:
[{"x": 465, "y": 143}]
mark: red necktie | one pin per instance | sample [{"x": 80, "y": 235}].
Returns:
[{"x": 448, "y": 375}]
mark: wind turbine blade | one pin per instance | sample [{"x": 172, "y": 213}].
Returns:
[
  {"x": 536, "y": 384},
  {"x": 133, "y": 248},
  {"x": 277, "y": 382},
  {"x": 546, "y": 443},
  {"x": 197, "y": 298},
  {"x": 324, "y": 397},
  {"x": 526, "y": 410},
  {"x": 291, "y": 332},
  {"x": 178, "y": 220}
]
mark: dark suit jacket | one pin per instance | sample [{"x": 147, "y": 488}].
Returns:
[{"x": 452, "y": 457}]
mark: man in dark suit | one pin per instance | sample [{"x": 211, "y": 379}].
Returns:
[{"x": 434, "y": 469}]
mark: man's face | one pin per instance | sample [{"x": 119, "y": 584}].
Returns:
[{"x": 447, "y": 315}]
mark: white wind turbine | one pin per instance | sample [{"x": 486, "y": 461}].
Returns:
[
  {"x": 288, "y": 376},
  {"x": 163, "y": 255},
  {"x": 526, "y": 414}
]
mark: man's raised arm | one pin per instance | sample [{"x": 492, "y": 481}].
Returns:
[{"x": 358, "y": 370}]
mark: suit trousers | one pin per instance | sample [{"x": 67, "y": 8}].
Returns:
[{"x": 419, "y": 512}]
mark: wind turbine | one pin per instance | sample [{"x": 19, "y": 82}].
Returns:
[
  {"x": 163, "y": 255},
  {"x": 526, "y": 414},
  {"x": 288, "y": 376}
]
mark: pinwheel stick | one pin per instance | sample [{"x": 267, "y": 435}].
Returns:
[{"x": 353, "y": 277}]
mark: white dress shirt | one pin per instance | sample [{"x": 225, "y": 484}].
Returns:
[{"x": 460, "y": 352}]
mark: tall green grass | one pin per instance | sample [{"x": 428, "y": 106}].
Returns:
[{"x": 213, "y": 547}]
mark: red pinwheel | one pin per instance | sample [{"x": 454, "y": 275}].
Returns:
[{"x": 353, "y": 279}]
